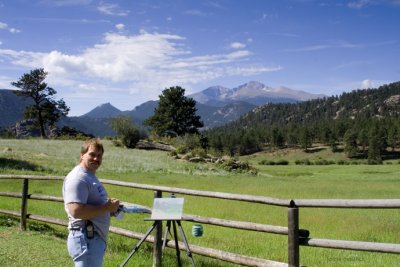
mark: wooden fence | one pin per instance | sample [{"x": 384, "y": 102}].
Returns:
[{"x": 296, "y": 237}]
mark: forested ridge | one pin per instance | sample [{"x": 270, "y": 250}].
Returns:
[{"x": 362, "y": 121}]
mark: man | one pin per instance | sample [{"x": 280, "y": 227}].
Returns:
[{"x": 88, "y": 208}]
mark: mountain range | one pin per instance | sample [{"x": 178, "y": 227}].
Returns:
[
  {"x": 254, "y": 93},
  {"x": 215, "y": 105}
]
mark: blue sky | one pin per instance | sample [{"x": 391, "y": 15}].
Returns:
[{"x": 127, "y": 52}]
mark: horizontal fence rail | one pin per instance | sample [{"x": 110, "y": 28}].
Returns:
[
  {"x": 296, "y": 237},
  {"x": 351, "y": 245},
  {"x": 349, "y": 203}
]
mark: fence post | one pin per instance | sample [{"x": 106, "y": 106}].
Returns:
[
  {"x": 293, "y": 236},
  {"x": 24, "y": 202},
  {"x": 157, "y": 249}
]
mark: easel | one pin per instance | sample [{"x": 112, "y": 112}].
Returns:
[
  {"x": 169, "y": 221},
  {"x": 168, "y": 230}
]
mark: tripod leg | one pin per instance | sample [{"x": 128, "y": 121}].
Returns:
[
  {"x": 188, "y": 252},
  {"x": 178, "y": 253},
  {"x": 139, "y": 244},
  {"x": 167, "y": 230}
]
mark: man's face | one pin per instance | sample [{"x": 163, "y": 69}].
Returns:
[{"x": 91, "y": 160}]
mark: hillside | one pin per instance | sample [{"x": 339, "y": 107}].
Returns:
[
  {"x": 11, "y": 107},
  {"x": 368, "y": 121},
  {"x": 222, "y": 115},
  {"x": 367, "y": 103}
]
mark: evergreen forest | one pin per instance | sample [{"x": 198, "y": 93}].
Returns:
[{"x": 364, "y": 123}]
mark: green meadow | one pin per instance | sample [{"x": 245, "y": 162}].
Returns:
[{"x": 45, "y": 244}]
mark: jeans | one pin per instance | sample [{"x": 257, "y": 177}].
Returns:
[{"x": 86, "y": 252}]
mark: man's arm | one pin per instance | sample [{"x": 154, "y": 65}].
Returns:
[{"x": 86, "y": 211}]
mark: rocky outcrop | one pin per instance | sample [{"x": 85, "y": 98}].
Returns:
[
  {"x": 25, "y": 128},
  {"x": 149, "y": 145},
  {"x": 394, "y": 100}
]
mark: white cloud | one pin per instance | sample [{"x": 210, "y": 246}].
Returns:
[
  {"x": 13, "y": 30},
  {"x": 352, "y": 64},
  {"x": 237, "y": 45},
  {"x": 195, "y": 12},
  {"x": 61, "y": 3},
  {"x": 23, "y": 58},
  {"x": 142, "y": 65},
  {"x": 248, "y": 71},
  {"x": 120, "y": 27},
  {"x": 359, "y": 4},
  {"x": 4, "y": 26},
  {"x": 4, "y": 82},
  {"x": 331, "y": 45},
  {"x": 367, "y": 84},
  {"x": 112, "y": 9}
]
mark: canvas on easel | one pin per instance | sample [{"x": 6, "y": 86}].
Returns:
[{"x": 167, "y": 209}]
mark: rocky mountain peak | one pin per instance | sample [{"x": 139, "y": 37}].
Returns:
[{"x": 103, "y": 111}]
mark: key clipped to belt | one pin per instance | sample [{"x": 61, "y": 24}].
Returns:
[{"x": 89, "y": 230}]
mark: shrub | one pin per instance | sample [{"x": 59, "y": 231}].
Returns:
[
  {"x": 117, "y": 143},
  {"x": 303, "y": 162},
  {"x": 282, "y": 162},
  {"x": 187, "y": 141},
  {"x": 7, "y": 133},
  {"x": 324, "y": 162},
  {"x": 271, "y": 162},
  {"x": 374, "y": 161},
  {"x": 127, "y": 131},
  {"x": 173, "y": 153},
  {"x": 266, "y": 162},
  {"x": 238, "y": 166},
  {"x": 200, "y": 152}
]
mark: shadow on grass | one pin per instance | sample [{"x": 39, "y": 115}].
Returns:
[
  {"x": 18, "y": 165},
  {"x": 47, "y": 229},
  {"x": 314, "y": 150},
  {"x": 391, "y": 155},
  {"x": 386, "y": 155},
  {"x": 6, "y": 221}
]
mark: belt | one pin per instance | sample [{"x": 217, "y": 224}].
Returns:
[
  {"x": 79, "y": 229},
  {"x": 76, "y": 228}
]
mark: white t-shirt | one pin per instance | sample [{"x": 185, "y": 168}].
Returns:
[{"x": 82, "y": 186}]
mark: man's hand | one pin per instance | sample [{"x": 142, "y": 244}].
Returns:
[{"x": 113, "y": 205}]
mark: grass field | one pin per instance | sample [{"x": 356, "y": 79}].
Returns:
[{"x": 56, "y": 157}]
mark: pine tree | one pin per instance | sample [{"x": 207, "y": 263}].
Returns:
[
  {"x": 45, "y": 110},
  {"x": 175, "y": 113},
  {"x": 350, "y": 143}
]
